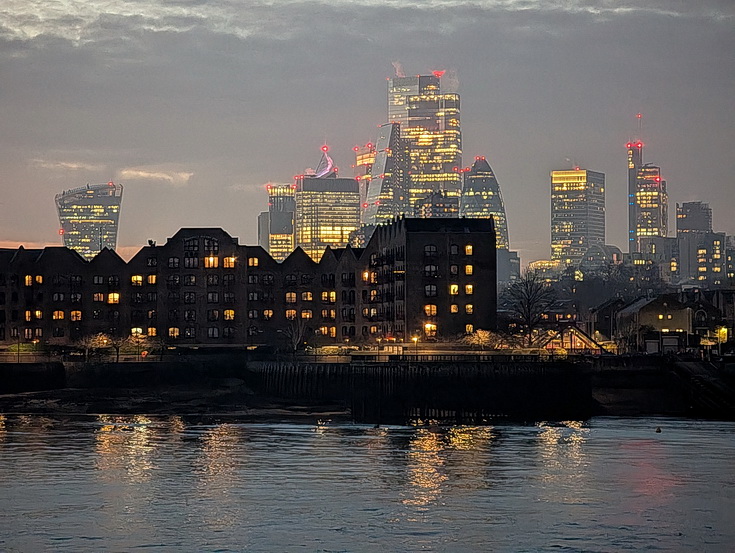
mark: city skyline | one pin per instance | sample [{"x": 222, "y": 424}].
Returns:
[{"x": 211, "y": 126}]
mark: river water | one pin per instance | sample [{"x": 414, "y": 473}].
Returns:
[{"x": 128, "y": 483}]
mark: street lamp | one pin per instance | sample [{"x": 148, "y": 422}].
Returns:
[{"x": 416, "y": 344}]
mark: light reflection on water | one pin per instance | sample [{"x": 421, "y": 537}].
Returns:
[{"x": 118, "y": 483}]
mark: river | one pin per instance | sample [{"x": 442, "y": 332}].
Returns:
[{"x": 172, "y": 483}]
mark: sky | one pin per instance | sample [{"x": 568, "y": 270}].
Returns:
[{"x": 194, "y": 105}]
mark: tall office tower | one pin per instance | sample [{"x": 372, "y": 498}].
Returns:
[
  {"x": 651, "y": 204},
  {"x": 635, "y": 162},
  {"x": 364, "y": 159},
  {"x": 276, "y": 226},
  {"x": 401, "y": 88},
  {"x": 577, "y": 213},
  {"x": 327, "y": 208},
  {"x": 386, "y": 190},
  {"x": 693, "y": 217},
  {"x": 89, "y": 217},
  {"x": 430, "y": 124},
  {"x": 481, "y": 198}
]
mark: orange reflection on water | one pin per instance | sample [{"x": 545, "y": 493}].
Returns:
[
  {"x": 425, "y": 468},
  {"x": 124, "y": 443}
]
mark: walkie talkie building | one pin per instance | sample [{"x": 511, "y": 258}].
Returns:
[{"x": 89, "y": 216}]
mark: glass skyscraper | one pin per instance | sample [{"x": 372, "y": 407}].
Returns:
[
  {"x": 276, "y": 226},
  {"x": 577, "y": 213},
  {"x": 651, "y": 204},
  {"x": 481, "y": 198},
  {"x": 89, "y": 217},
  {"x": 386, "y": 195}
]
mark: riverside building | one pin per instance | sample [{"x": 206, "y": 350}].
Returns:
[{"x": 432, "y": 280}]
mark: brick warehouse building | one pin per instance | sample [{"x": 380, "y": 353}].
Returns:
[{"x": 432, "y": 279}]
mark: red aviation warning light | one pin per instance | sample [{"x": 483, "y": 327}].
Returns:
[
  {"x": 629, "y": 145},
  {"x": 365, "y": 205},
  {"x": 639, "y": 115},
  {"x": 438, "y": 73},
  {"x": 61, "y": 232},
  {"x": 110, "y": 183},
  {"x": 657, "y": 179},
  {"x": 325, "y": 148}
]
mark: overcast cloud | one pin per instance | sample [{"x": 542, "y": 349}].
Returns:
[{"x": 195, "y": 105}]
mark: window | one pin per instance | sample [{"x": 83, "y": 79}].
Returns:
[
  {"x": 454, "y": 249},
  {"x": 228, "y": 297},
  {"x": 75, "y": 316},
  {"x": 454, "y": 289},
  {"x": 57, "y": 315},
  {"x": 113, "y": 297},
  {"x": 152, "y": 332},
  {"x": 29, "y": 280},
  {"x": 228, "y": 262},
  {"x": 190, "y": 332},
  {"x": 430, "y": 250},
  {"x": 307, "y": 314},
  {"x": 190, "y": 280},
  {"x": 191, "y": 245},
  {"x": 212, "y": 280},
  {"x": 190, "y": 315},
  {"x": 268, "y": 279},
  {"x": 213, "y": 315},
  {"x": 58, "y": 296},
  {"x": 58, "y": 332},
  {"x": 468, "y": 249},
  {"x": 306, "y": 296},
  {"x": 151, "y": 262},
  {"x": 252, "y": 261},
  {"x": 252, "y": 279},
  {"x": 430, "y": 310},
  {"x": 174, "y": 297},
  {"x": 174, "y": 280},
  {"x": 96, "y": 314},
  {"x": 290, "y": 297},
  {"x": 469, "y": 289},
  {"x": 267, "y": 314},
  {"x": 290, "y": 314},
  {"x": 229, "y": 314},
  {"x": 290, "y": 280},
  {"x": 190, "y": 297},
  {"x": 430, "y": 270},
  {"x": 469, "y": 309},
  {"x": 469, "y": 329},
  {"x": 468, "y": 269},
  {"x": 430, "y": 290},
  {"x": 228, "y": 280},
  {"x": 253, "y": 296},
  {"x": 191, "y": 262},
  {"x": 151, "y": 279},
  {"x": 454, "y": 308},
  {"x": 152, "y": 315},
  {"x": 212, "y": 297},
  {"x": 211, "y": 262},
  {"x": 173, "y": 262},
  {"x": 98, "y": 296},
  {"x": 152, "y": 296},
  {"x": 454, "y": 269},
  {"x": 76, "y": 297},
  {"x": 173, "y": 314},
  {"x": 98, "y": 279},
  {"x": 173, "y": 332},
  {"x": 430, "y": 330},
  {"x": 136, "y": 280},
  {"x": 39, "y": 279},
  {"x": 211, "y": 245},
  {"x": 113, "y": 280},
  {"x": 228, "y": 332}
]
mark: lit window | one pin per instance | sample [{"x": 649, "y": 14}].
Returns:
[
  {"x": 75, "y": 316},
  {"x": 173, "y": 332},
  {"x": 669, "y": 316},
  {"x": 660, "y": 316},
  {"x": 454, "y": 289},
  {"x": 469, "y": 309},
  {"x": 290, "y": 314},
  {"x": 267, "y": 314},
  {"x": 113, "y": 297},
  {"x": 365, "y": 276},
  {"x": 252, "y": 261},
  {"x": 152, "y": 332},
  {"x": 430, "y": 329},
  {"x": 38, "y": 314},
  {"x": 306, "y": 314},
  {"x": 29, "y": 316},
  {"x": 151, "y": 279},
  {"x": 323, "y": 330},
  {"x": 290, "y": 297},
  {"x": 57, "y": 315},
  {"x": 469, "y": 329},
  {"x": 136, "y": 280},
  {"x": 468, "y": 269},
  {"x": 211, "y": 262},
  {"x": 454, "y": 308},
  {"x": 229, "y": 314},
  {"x": 469, "y": 289},
  {"x": 306, "y": 296},
  {"x": 229, "y": 263},
  {"x": 29, "y": 280},
  {"x": 430, "y": 310},
  {"x": 39, "y": 279},
  {"x": 468, "y": 249}
]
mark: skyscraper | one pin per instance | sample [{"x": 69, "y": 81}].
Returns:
[
  {"x": 385, "y": 194},
  {"x": 481, "y": 198},
  {"x": 327, "y": 208},
  {"x": 276, "y": 233},
  {"x": 635, "y": 162},
  {"x": 89, "y": 217},
  {"x": 577, "y": 213},
  {"x": 430, "y": 124},
  {"x": 693, "y": 217},
  {"x": 651, "y": 204}
]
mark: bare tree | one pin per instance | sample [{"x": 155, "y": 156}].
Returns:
[
  {"x": 90, "y": 343},
  {"x": 484, "y": 339},
  {"x": 139, "y": 341},
  {"x": 294, "y": 332},
  {"x": 117, "y": 343},
  {"x": 528, "y": 298}
]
